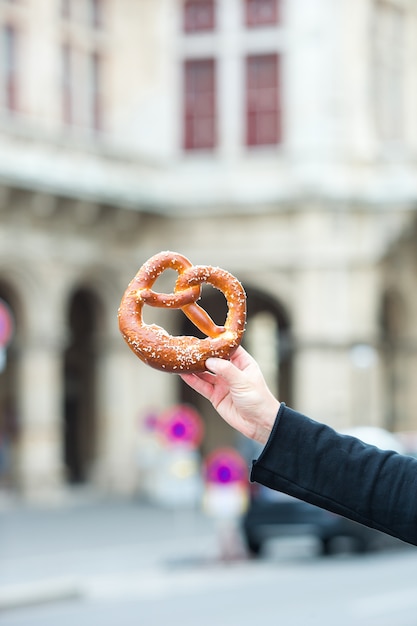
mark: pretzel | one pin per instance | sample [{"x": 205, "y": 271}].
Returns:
[{"x": 152, "y": 344}]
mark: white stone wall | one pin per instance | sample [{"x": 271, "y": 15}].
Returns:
[{"x": 322, "y": 224}]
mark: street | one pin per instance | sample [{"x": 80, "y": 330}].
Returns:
[{"x": 112, "y": 563}]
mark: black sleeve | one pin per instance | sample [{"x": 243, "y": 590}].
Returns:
[{"x": 312, "y": 462}]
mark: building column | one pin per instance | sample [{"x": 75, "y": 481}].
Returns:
[
  {"x": 40, "y": 470},
  {"x": 337, "y": 369},
  {"x": 127, "y": 391}
]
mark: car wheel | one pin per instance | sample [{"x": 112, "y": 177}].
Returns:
[
  {"x": 254, "y": 546},
  {"x": 326, "y": 547}
]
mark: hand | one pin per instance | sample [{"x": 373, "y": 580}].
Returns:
[{"x": 239, "y": 393}]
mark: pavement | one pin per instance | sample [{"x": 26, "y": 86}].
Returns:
[
  {"x": 90, "y": 559},
  {"x": 86, "y": 545}
]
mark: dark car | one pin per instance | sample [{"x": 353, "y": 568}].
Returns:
[{"x": 272, "y": 514}]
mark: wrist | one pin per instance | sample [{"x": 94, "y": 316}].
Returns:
[{"x": 270, "y": 415}]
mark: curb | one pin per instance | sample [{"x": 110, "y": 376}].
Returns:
[{"x": 20, "y": 596}]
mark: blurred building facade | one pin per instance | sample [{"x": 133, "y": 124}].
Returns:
[{"x": 274, "y": 138}]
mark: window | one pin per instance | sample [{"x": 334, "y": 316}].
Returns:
[
  {"x": 262, "y": 100},
  {"x": 66, "y": 9},
  {"x": 94, "y": 104},
  {"x": 389, "y": 69},
  {"x": 199, "y": 15},
  {"x": 261, "y": 12},
  {"x": 8, "y": 67},
  {"x": 81, "y": 106},
  {"x": 81, "y": 65},
  {"x": 95, "y": 13},
  {"x": 199, "y": 104},
  {"x": 89, "y": 12}
]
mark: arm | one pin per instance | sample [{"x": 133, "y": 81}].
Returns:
[
  {"x": 339, "y": 473},
  {"x": 310, "y": 460}
]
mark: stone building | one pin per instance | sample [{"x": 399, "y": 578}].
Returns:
[{"x": 274, "y": 138}]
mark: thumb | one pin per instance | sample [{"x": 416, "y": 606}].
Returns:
[{"x": 225, "y": 369}]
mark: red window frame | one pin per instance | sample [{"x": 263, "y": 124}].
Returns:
[
  {"x": 200, "y": 123},
  {"x": 261, "y": 12},
  {"x": 263, "y": 115},
  {"x": 199, "y": 16}
]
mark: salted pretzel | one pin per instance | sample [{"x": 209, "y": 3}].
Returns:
[{"x": 152, "y": 344}]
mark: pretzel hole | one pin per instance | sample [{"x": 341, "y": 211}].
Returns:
[
  {"x": 165, "y": 282},
  {"x": 214, "y": 302},
  {"x": 174, "y": 321}
]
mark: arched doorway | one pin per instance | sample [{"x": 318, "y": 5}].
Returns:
[
  {"x": 9, "y": 424},
  {"x": 266, "y": 321},
  {"x": 268, "y": 327},
  {"x": 79, "y": 428}
]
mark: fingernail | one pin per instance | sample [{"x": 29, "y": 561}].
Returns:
[{"x": 211, "y": 364}]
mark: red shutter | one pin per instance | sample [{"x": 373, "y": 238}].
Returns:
[
  {"x": 262, "y": 100},
  {"x": 261, "y": 12},
  {"x": 199, "y": 104},
  {"x": 199, "y": 15}
]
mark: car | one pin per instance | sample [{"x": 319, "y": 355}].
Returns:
[{"x": 273, "y": 514}]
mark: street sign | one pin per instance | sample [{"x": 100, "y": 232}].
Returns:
[
  {"x": 225, "y": 466},
  {"x": 226, "y": 486},
  {"x": 181, "y": 425},
  {"x": 6, "y": 324}
]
